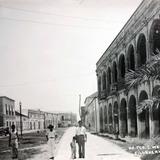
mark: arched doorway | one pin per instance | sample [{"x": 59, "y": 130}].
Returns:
[
  {"x": 155, "y": 112},
  {"x": 155, "y": 36},
  {"x": 141, "y": 50},
  {"x": 143, "y": 117},
  {"x": 131, "y": 58},
  {"x": 105, "y": 118},
  {"x": 116, "y": 118},
  {"x": 110, "y": 119},
  {"x": 123, "y": 118},
  {"x": 132, "y": 116},
  {"x": 101, "y": 120},
  {"x": 122, "y": 66}
]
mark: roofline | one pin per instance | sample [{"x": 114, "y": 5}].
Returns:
[
  {"x": 120, "y": 31},
  {"x": 7, "y": 98},
  {"x": 21, "y": 114}
]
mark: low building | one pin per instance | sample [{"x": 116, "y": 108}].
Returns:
[
  {"x": 92, "y": 121},
  {"x": 36, "y": 118},
  {"x": 50, "y": 118},
  {"x": 67, "y": 119},
  {"x": 7, "y": 112}
]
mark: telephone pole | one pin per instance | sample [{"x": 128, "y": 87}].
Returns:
[
  {"x": 20, "y": 108},
  {"x": 80, "y": 106}
]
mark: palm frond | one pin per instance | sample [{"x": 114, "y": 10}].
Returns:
[{"x": 149, "y": 71}]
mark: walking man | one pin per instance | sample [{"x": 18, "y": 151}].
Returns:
[{"x": 81, "y": 139}]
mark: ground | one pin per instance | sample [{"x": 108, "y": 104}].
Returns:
[
  {"x": 32, "y": 144},
  {"x": 34, "y": 147},
  {"x": 97, "y": 148}
]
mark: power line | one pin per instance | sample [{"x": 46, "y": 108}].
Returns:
[{"x": 54, "y": 24}]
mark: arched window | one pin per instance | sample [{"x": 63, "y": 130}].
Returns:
[
  {"x": 122, "y": 66},
  {"x": 114, "y": 72},
  {"x": 141, "y": 50},
  {"x": 155, "y": 36},
  {"x": 99, "y": 84},
  {"x": 131, "y": 58},
  {"x": 104, "y": 81}
]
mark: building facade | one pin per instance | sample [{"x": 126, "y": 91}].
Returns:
[
  {"x": 92, "y": 120},
  {"x": 50, "y": 118},
  {"x": 67, "y": 119},
  {"x": 135, "y": 44},
  {"x": 36, "y": 119},
  {"x": 25, "y": 121},
  {"x": 7, "y": 112}
]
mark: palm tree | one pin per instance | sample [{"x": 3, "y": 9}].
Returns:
[{"x": 148, "y": 72}]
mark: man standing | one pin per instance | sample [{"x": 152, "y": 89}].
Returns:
[{"x": 81, "y": 139}]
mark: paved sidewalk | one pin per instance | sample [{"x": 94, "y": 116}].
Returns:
[{"x": 96, "y": 149}]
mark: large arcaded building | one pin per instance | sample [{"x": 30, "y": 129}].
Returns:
[{"x": 133, "y": 46}]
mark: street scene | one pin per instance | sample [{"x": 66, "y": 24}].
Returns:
[{"x": 80, "y": 79}]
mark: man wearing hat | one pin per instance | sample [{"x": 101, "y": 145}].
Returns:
[
  {"x": 51, "y": 137},
  {"x": 81, "y": 139}
]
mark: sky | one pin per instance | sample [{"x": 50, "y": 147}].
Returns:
[{"x": 49, "y": 48}]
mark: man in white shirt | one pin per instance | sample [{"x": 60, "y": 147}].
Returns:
[{"x": 81, "y": 139}]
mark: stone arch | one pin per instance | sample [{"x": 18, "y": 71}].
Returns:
[
  {"x": 156, "y": 112},
  {"x": 104, "y": 81},
  {"x": 154, "y": 37},
  {"x": 122, "y": 66},
  {"x": 105, "y": 117},
  {"x": 114, "y": 75},
  {"x": 123, "y": 118},
  {"x": 105, "y": 114},
  {"x": 144, "y": 117},
  {"x": 101, "y": 119},
  {"x": 116, "y": 117},
  {"x": 110, "y": 118},
  {"x": 132, "y": 116},
  {"x": 131, "y": 58},
  {"x": 141, "y": 50}
]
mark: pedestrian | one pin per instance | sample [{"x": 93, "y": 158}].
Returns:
[
  {"x": 81, "y": 139},
  {"x": 13, "y": 142},
  {"x": 51, "y": 138},
  {"x": 73, "y": 148}
]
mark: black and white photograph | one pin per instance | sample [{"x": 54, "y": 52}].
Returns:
[{"x": 79, "y": 79}]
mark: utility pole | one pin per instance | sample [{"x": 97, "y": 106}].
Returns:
[
  {"x": 20, "y": 108},
  {"x": 80, "y": 106}
]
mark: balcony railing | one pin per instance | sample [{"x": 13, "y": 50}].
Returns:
[
  {"x": 114, "y": 88},
  {"x": 102, "y": 94}
]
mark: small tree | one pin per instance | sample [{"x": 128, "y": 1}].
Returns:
[{"x": 148, "y": 72}]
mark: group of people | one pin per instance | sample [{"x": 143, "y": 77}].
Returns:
[{"x": 80, "y": 138}]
